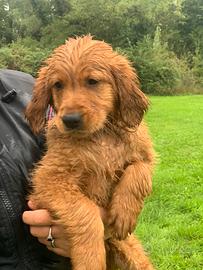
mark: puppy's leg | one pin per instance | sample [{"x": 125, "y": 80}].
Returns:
[
  {"x": 127, "y": 200},
  {"x": 127, "y": 254},
  {"x": 79, "y": 216}
]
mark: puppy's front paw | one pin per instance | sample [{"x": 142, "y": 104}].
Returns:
[{"x": 121, "y": 219}]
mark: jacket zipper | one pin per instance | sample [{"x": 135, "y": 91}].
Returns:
[{"x": 9, "y": 210}]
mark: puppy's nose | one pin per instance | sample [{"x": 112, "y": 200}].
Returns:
[{"x": 72, "y": 121}]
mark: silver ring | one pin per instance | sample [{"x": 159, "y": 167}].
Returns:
[
  {"x": 50, "y": 237},
  {"x": 53, "y": 243}
]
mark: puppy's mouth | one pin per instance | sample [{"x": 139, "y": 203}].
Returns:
[
  {"x": 79, "y": 124},
  {"x": 73, "y": 124}
]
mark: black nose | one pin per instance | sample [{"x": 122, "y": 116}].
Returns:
[{"x": 72, "y": 121}]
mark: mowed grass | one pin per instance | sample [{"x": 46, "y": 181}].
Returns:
[{"x": 171, "y": 224}]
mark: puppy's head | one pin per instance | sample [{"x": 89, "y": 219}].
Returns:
[{"x": 87, "y": 84}]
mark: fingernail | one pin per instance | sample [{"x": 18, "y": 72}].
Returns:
[{"x": 31, "y": 205}]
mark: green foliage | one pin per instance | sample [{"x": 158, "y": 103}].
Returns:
[
  {"x": 20, "y": 57},
  {"x": 100, "y": 18},
  {"x": 192, "y": 28},
  {"x": 159, "y": 69},
  {"x": 198, "y": 67},
  {"x": 164, "y": 39}
]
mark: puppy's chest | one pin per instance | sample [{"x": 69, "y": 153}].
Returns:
[{"x": 97, "y": 167}]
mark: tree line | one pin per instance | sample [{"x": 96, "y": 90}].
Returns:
[{"x": 162, "y": 38}]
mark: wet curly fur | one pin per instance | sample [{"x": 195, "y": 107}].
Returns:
[{"x": 98, "y": 153}]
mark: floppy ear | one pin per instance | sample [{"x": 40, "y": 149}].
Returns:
[
  {"x": 131, "y": 102},
  {"x": 36, "y": 109}
]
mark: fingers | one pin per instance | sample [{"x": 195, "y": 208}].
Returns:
[
  {"x": 61, "y": 245},
  {"x": 40, "y": 222},
  {"x": 58, "y": 243},
  {"x": 43, "y": 231},
  {"x": 39, "y": 217},
  {"x": 61, "y": 248}
]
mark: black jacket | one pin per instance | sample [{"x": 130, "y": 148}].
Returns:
[{"x": 19, "y": 149}]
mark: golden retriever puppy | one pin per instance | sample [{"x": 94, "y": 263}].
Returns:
[{"x": 99, "y": 153}]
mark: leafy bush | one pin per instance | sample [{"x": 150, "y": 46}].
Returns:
[
  {"x": 23, "y": 55},
  {"x": 198, "y": 68},
  {"x": 159, "y": 70}
]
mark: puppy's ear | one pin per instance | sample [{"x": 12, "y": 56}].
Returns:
[
  {"x": 131, "y": 102},
  {"x": 36, "y": 109}
]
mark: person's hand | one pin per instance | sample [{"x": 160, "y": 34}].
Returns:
[{"x": 40, "y": 222}]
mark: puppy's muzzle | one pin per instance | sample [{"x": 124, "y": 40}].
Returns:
[{"x": 72, "y": 121}]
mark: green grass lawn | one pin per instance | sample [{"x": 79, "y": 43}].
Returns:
[{"x": 171, "y": 224}]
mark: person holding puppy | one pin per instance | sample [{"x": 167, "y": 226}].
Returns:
[{"x": 19, "y": 150}]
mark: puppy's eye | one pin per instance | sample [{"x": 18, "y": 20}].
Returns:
[
  {"x": 92, "y": 82},
  {"x": 58, "y": 85}
]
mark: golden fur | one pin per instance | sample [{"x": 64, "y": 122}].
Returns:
[{"x": 106, "y": 162}]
